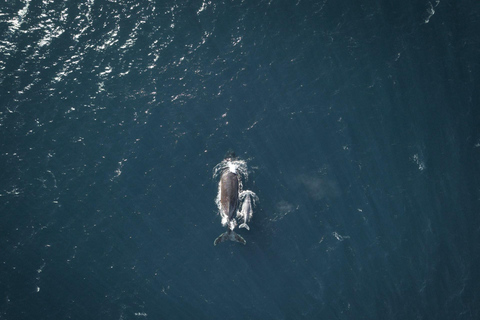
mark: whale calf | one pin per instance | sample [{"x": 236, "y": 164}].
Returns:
[{"x": 246, "y": 212}]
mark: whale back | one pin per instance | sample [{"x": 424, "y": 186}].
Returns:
[{"x": 229, "y": 194}]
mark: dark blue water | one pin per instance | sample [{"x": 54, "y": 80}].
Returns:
[{"x": 359, "y": 120}]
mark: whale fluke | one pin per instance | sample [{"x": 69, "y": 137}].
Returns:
[
  {"x": 244, "y": 225},
  {"x": 229, "y": 235}
]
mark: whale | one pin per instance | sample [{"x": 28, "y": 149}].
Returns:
[
  {"x": 229, "y": 197},
  {"x": 229, "y": 187},
  {"x": 246, "y": 211}
]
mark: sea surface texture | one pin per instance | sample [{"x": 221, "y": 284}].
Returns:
[{"x": 359, "y": 122}]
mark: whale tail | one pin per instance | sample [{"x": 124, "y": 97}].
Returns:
[
  {"x": 244, "y": 225},
  {"x": 229, "y": 235}
]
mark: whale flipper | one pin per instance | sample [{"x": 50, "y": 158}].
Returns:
[
  {"x": 244, "y": 225},
  {"x": 229, "y": 235}
]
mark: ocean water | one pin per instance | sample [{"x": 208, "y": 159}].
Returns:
[{"x": 359, "y": 122}]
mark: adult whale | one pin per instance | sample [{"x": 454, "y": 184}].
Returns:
[{"x": 227, "y": 200}]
